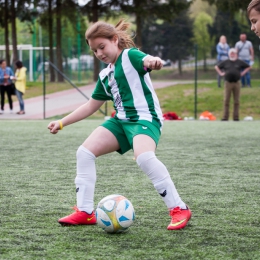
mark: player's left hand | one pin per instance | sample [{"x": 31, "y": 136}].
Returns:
[{"x": 54, "y": 127}]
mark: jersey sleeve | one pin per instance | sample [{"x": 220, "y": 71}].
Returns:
[
  {"x": 99, "y": 92},
  {"x": 137, "y": 59}
]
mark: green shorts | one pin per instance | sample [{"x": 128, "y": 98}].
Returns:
[{"x": 124, "y": 131}]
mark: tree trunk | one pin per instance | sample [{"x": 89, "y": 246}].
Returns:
[
  {"x": 14, "y": 38},
  {"x": 50, "y": 27},
  {"x": 180, "y": 66},
  {"x": 138, "y": 31},
  {"x": 96, "y": 60},
  {"x": 7, "y": 51},
  {"x": 59, "y": 35},
  {"x": 205, "y": 62},
  {"x": 138, "y": 21}
]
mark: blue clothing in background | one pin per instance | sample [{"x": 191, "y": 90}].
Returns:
[
  {"x": 7, "y": 71},
  {"x": 222, "y": 50}
]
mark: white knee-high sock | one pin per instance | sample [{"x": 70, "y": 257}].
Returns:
[
  {"x": 85, "y": 180},
  {"x": 160, "y": 177}
]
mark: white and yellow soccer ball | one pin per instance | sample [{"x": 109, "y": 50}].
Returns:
[{"x": 115, "y": 214}]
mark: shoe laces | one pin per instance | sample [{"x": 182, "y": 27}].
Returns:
[
  {"x": 75, "y": 208},
  {"x": 175, "y": 213}
]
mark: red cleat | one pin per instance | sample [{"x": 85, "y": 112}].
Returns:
[
  {"x": 78, "y": 218},
  {"x": 180, "y": 218}
]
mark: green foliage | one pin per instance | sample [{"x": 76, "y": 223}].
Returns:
[
  {"x": 231, "y": 6},
  {"x": 199, "y": 6},
  {"x": 214, "y": 165},
  {"x": 153, "y": 10},
  {"x": 201, "y": 34},
  {"x": 169, "y": 40},
  {"x": 224, "y": 24}
]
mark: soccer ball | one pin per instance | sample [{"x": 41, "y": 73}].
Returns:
[{"x": 115, "y": 214}]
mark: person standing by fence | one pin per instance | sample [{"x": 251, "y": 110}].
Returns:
[
  {"x": 231, "y": 69},
  {"x": 6, "y": 76},
  {"x": 20, "y": 84},
  {"x": 222, "y": 50},
  {"x": 245, "y": 53}
]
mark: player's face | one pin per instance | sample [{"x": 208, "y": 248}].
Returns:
[
  {"x": 105, "y": 50},
  {"x": 254, "y": 18}
]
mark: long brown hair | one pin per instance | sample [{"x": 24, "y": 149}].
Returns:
[
  {"x": 254, "y": 4},
  {"x": 105, "y": 30}
]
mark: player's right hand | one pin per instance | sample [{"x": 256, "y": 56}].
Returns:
[{"x": 54, "y": 127}]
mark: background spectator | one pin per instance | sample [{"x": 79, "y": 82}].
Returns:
[
  {"x": 20, "y": 84},
  {"x": 6, "y": 76},
  {"x": 231, "y": 69},
  {"x": 245, "y": 53},
  {"x": 222, "y": 50}
]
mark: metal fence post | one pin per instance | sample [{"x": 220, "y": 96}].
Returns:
[
  {"x": 195, "y": 80},
  {"x": 44, "y": 85}
]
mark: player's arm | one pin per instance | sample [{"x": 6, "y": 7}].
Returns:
[
  {"x": 153, "y": 63},
  {"x": 80, "y": 113}
]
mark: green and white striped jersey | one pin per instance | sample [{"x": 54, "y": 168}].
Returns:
[{"x": 129, "y": 86}]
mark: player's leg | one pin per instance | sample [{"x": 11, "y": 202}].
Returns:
[
  {"x": 101, "y": 141},
  {"x": 144, "y": 150}
]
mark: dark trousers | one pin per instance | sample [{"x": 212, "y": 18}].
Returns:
[
  {"x": 8, "y": 90},
  {"x": 234, "y": 89}
]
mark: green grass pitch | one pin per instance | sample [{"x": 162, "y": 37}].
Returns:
[{"x": 214, "y": 165}]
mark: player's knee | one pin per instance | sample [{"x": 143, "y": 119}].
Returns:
[{"x": 84, "y": 154}]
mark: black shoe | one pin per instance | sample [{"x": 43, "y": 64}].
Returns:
[
  {"x": 236, "y": 119},
  {"x": 223, "y": 119}
]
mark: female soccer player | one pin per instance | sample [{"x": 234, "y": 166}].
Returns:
[
  {"x": 136, "y": 125},
  {"x": 253, "y": 12}
]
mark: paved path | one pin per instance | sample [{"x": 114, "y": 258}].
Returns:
[{"x": 61, "y": 102}]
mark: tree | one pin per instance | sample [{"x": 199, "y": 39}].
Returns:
[
  {"x": 4, "y": 22},
  {"x": 202, "y": 36},
  {"x": 153, "y": 9},
  {"x": 170, "y": 40},
  {"x": 231, "y": 6},
  {"x": 94, "y": 9},
  {"x": 177, "y": 39},
  {"x": 14, "y": 37},
  {"x": 58, "y": 38},
  {"x": 224, "y": 24},
  {"x": 61, "y": 12}
]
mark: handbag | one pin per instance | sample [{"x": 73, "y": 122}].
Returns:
[{"x": 13, "y": 89}]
